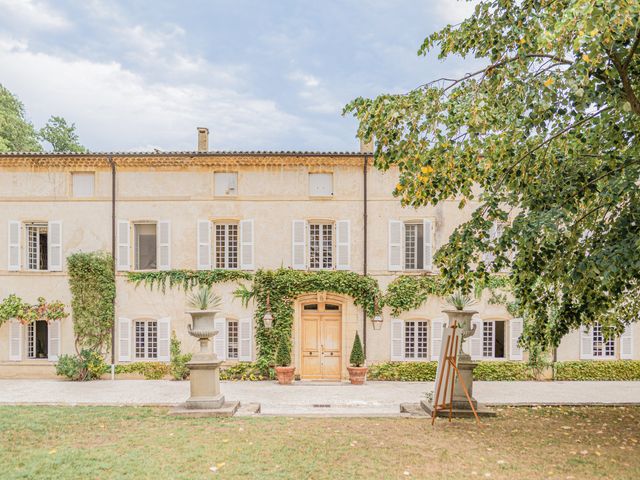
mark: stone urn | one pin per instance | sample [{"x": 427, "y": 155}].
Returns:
[
  {"x": 465, "y": 366},
  {"x": 357, "y": 375},
  {"x": 203, "y": 328},
  {"x": 463, "y": 319}
]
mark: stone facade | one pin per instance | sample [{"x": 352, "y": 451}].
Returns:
[{"x": 273, "y": 191}]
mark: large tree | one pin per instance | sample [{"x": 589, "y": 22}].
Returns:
[
  {"x": 545, "y": 139},
  {"x": 61, "y": 136}
]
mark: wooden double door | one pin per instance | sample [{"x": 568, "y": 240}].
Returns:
[{"x": 321, "y": 341}]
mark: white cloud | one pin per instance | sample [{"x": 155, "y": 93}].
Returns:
[
  {"x": 316, "y": 97},
  {"x": 115, "y": 108},
  {"x": 454, "y": 11},
  {"x": 33, "y": 14}
]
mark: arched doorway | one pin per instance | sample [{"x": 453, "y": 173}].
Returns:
[{"x": 320, "y": 339}]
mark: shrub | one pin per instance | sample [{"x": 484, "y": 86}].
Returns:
[
  {"x": 178, "y": 365},
  {"x": 357, "y": 355},
  {"x": 283, "y": 354},
  {"x": 150, "y": 370},
  {"x": 89, "y": 365},
  {"x": 503, "y": 371},
  {"x": 597, "y": 370},
  {"x": 244, "y": 371},
  {"x": 403, "y": 371}
]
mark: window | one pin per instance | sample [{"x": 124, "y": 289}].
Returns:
[
  {"x": 145, "y": 246},
  {"x": 225, "y": 183},
  {"x": 232, "y": 339},
  {"x": 38, "y": 339},
  {"x": 146, "y": 339},
  {"x": 602, "y": 347},
  {"x": 496, "y": 231},
  {"x": 320, "y": 246},
  {"x": 413, "y": 246},
  {"x": 226, "y": 242},
  {"x": 37, "y": 246},
  {"x": 493, "y": 339},
  {"x": 320, "y": 184},
  {"x": 415, "y": 339},
  {"x": 83, "y": 184}
]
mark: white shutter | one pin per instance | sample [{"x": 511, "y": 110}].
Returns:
[
  {"x": 515, "y": 330},
  {"x": 626, "y": 343},
  {"x": 54, "y": 340},
  {"x": 437, "y": 329},
  {"x": 245, "y": 339},
  {"x": 397, "y": 339},
  {"x": 475, "y": 341},
  {"x": 54, "y": 245},
  {"x": 586, "y": 343},
  {"x": 164, "y": 339},
  {"x": 220, "y": 340},
  {"x": 124, "y": 339},
  {"x": 164, "y": 245},
  {"x": 15, "y": 341},
  {"x": 246, "y": 245},
  {"x": 124, "y": 248},
  {"x": 343, "y": 245},
  {"x": 428, "y": 244},
  {"x": 395, "y": 245},
  {"x": 298, "y": 245},
  {"x": 204, "y": 245},
  {"x": 13, "y": 258}
]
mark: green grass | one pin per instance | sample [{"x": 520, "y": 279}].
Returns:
[{"x": 521, "y": 443}]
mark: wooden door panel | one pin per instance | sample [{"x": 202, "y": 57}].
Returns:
[
  {"x": 321, "y": 346},
  {"x": 330, "y": 334},
  {"x": 310, "y": 334}
]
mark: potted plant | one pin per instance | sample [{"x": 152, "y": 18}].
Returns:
[
  {"x": 204, "y": 303},
  {"x": 357, "y": 370},
  {"x": 461, "y": 317},
  {"x": 284, "y": 370}
]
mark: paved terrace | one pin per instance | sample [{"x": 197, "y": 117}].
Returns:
[{"x": 302, "y": 398}]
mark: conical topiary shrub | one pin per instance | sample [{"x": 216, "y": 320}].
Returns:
[
  {"x": 357, "y": 355},
  {"x": 283, "y": 354}
]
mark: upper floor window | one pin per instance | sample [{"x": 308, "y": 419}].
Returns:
[
  {"x": 496, "y": 231},
  {"x": 320, "y": 246},
  {"x": 226, "y": 245},
  {"x": 320, "y": 184},
  {"x": 225, "y": 183},
  {"x": 37, "y": 246},
  {"x": 410, "y": 245},
  {"x": 83, "y": 184},
  {"x": 145, "y": 246}
]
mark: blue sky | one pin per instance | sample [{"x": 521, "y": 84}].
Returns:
[{"x": 139, "y": 75}]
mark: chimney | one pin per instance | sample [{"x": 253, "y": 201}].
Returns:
[
  {"x": 203, "y": 139},
  {"x": 366, "y": 147}
]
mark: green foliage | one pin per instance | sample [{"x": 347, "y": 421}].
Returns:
[
  {"x": 283, "y": 355},
  {"x": 245, "y": 294},
  {"x": 244, "y": 371},
  {"x": 356, "y": 359},
  {"x": 597, "y": 370},
  {"x": 178, "y": 365},
  {"x": 88, "y": 365},
  {"x": 61, "y": 136},
  {"x": 460, "y": 301},
  {"x": 543, "y": 139},
  {"x": 203, "y": 298},
  {"x": 14, "y": 307},
  {"x": 403, "y": 371},
  {"x": 17, "y": 134},
  {"x": 150, "y": 370},
  {"x": 503, "y": 371},
  {"x": 93, "y": 289},
  {"x": 185, "y": 279}
]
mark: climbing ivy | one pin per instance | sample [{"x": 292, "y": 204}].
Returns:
[
  {"x": 93, "y": 290},
  {"x": 185, "y": 279},
  {"x": 14, "y": 307}
]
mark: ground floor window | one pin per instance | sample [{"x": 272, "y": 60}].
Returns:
[
  {"x": 232, "y": 339},
  {"x": 38, "y": 339},
  {"x": 493, "y": 339},
  {"x": 602, "y": 347},
  {"x": 415, "y": 339},
  {"x": 146, "y": 339}
]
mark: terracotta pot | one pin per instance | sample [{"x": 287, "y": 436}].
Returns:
[
  {"x": 357, "y": 375},
  {"x": 285, "y": 375}
]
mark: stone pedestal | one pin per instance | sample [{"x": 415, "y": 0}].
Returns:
[
  {"x": 205, "y": 384},
  {"x": 460, "y": 401}
]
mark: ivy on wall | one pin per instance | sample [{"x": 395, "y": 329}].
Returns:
[
  {"x": 93, "y": 290},
  {"x": 14, "y": 307},
  {"x": 185, "y": 279}
]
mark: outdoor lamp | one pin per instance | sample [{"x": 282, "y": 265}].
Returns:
[
  {"x": 267, "y": 320},
  {"x": 376, "y": 321}
]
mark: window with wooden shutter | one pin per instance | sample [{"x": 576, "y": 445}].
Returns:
[
  {"x": 343, "y": 245},
  {"x": 626, "y": 343},
  {"x": 416, "y": 339},
  {"x": 586, "y": 343},
  {"x": 395, "y": 245},
  {"x": 55, "y": 246},
  {"x": 83, "y": 184},
  {"x": 475, "y": 342},
  {"x": 437, "y": 330},
  {"x": 204, "y": 245},
  {"x": 164, "y": 245},
  {"x": 15, "y": 341},
  {"x": 220, "y": 340},
  {"x": 13, "y": 254},
  {"x": 515, "y": 330},
  {"x": 37, "y": 246},
  {"x": 245, "y": 334},
  {"x": 246, "y": 245},
  {"x": 428, "y": 244},
  {"x": 145, "y": 246},
  {"x": 164, "y": 339},
  {"x": 397, "y": 339},
  {"x": 320, "y": 246},
  {"x": 225, "y": 184},
  {"x": 603, "y": 346},
  {"x": 298, "y": 243},
  {"x": 54, "y": 340},
  {"x": 226, "y": 245},
  {"x": 124, "y": 339},
  {"x": 124, "y": 246},
  {"x": 320, "y": 184}
]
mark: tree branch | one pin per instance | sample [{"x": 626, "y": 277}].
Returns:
[
  {"x": 632, "y": 52},
  {"x": 626, "y": 83}
]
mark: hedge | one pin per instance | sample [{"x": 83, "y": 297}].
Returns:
[
  {"x": 597, "y": 370},
  {"x": 243, "y": 371},
  {"x": 426, "y": 371},
  {"x": 150, "y": 370}
]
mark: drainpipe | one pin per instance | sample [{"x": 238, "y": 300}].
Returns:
[
  {"x": 364, "y": 265},
  {"x": 113, "y": 259}
]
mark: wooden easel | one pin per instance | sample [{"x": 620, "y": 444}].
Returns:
[{"x": 450, "y": 373}]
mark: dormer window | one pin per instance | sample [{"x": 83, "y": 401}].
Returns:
[{"x": 226, "y": 184}]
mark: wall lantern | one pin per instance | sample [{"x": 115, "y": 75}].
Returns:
[
  {"x": 376, "y": 321},
  {"x": 267, "y": 320}
]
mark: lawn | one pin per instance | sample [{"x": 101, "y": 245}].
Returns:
[{"x": 521, "y": 443}]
